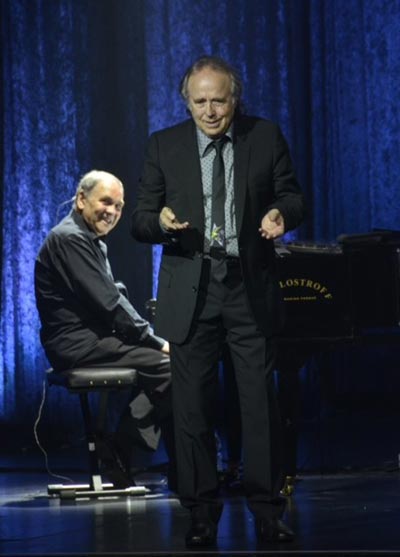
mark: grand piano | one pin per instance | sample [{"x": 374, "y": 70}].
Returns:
[{"x": 333, "y": 295}]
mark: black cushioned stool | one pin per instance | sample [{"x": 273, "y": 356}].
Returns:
[{"x": 83, "y": 381}]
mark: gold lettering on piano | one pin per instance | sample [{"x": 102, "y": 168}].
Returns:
[{"x": 308, "y": 284}]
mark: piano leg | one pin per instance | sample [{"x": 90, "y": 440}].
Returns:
[{"x": 289, "y": 364}]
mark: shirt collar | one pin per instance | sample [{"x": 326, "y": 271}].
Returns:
[
  {"x": 204, "y": 141},
  {"x": 80, "y": 221}
]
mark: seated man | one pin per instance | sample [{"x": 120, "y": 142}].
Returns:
[{"x": 87, "y": 320}]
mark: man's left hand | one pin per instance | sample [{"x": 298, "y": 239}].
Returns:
[{"x": 272, "y": 225}]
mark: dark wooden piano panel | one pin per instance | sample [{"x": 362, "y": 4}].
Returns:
[
  {"x": 341, "y": 291},
  {"x": 345, "y": 293}
]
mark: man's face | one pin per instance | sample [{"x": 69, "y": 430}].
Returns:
[
  {"x": 102, "y": 207},
  {"x": 211, "y": 102}
]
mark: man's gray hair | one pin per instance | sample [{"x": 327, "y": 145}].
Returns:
[
  {"x": 217, "y": 64},
  {"x": 90, "y": 180}
]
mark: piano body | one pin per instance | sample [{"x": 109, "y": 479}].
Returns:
[
  {"x": 341, "y": 292},
  {"x": 344, "y": 293}
]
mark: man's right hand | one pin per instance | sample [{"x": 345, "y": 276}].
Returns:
[
  {"x": 169, "y": 222},
  {"x": 165, "y": 348}
]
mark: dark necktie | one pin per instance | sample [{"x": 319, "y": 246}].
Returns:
[{"x": 217, "y": 243}]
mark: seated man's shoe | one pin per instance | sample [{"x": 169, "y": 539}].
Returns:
[
  {"x": 118, "y": 475},
  {"x": 230, "y": 477},
  {"x": 273, "y": 530},
  {"x": 114, "y": 465},
  {"x": 201, "y": 534}
]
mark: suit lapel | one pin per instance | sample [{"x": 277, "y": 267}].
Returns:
[
  {"x": 192, "y": 173},
  {"x": 241, "y": 163}
]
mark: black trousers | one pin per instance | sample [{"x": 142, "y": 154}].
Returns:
[
  {"x": 222, "y": 315},
  {"x": 149, "y": 414}
]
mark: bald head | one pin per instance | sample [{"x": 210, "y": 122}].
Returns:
[{"x": 99, "y": 199}]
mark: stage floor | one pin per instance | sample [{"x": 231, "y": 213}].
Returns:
[{"x": 337, "y": 514}]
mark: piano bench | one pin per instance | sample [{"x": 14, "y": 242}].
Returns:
[{"x": 83, "y": 381}]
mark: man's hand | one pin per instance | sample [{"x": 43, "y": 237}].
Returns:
[
  {"x": 165, "y": 348},
  {"x": 272, "y": 225},
  {"x": 169, "y": 222}
]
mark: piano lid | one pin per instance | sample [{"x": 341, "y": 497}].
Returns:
[{"x": 377, "y": 237}]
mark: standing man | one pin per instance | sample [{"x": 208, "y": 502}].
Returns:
[
  {"x": 218, "y": 282},
  {"x": 87, "y": 320}
]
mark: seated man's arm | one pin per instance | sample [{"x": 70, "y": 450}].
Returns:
[{"x": 85, "y": 272}]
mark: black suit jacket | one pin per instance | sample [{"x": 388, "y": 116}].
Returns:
[{"x": 263, "y": 179}]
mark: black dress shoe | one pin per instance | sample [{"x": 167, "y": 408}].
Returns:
[
  {"x": 230, "y": 477},
  {"x": 201, "y": 534},
  {"x": 113, "y": 464},
  {"x": 273, "y": 530}
]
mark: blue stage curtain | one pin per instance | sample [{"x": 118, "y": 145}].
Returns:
[
  {"x": 84, "y": 81},
  {"x": 44, "y": 113},
  {"x": 354, "y": 116}
]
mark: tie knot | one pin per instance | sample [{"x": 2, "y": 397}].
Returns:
[{"x": 219, "y": 144}]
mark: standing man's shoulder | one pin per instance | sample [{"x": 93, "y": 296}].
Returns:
[
  {"x": 263, "y": 135},
  {"x": 256, "y": 125},
  {"x": 173, "y": 134},
  {"x": 167, "y": 144}
]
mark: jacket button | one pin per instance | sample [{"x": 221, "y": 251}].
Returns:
[{"x": 194, "y": 289}]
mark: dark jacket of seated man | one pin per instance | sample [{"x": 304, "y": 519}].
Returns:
[{"x": 86, "y": 316}]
